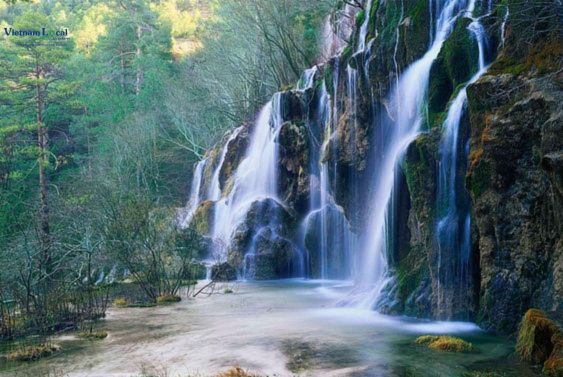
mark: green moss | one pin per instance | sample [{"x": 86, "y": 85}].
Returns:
[
  {"x": 228, "y": 291},
  {"x": 202, "y": 218},
  {"x": 440, "y": 86},
  {"x": 409, "y": 275},
  {"x": 418, "y": 165},
  {"x": 540, "y": 341},
  {"x": 417, "y": 12},
  {"x": 436, "y": 119},
  {"x": 372, "y": 18},
  {"x": 445, "y": 343},
  {"x": 360, "y": 17},
  {"x": 346, "y": 54},
  {"x": 480, "y": 179}
]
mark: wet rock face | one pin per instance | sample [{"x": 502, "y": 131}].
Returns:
[
  {"x": 336, "y": 239},
  {"x": 515, "y": 178},
  {"x": 235, "y": 154},
  {"x": 223, "y": 272},
  {"x": 294, "y": 166},
  {"x": 261, "y": 241},
  {"x": 202, "y": 220},
  {"x": 540, "y": 342}
]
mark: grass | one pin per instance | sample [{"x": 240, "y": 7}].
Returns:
[
  {"x": 31, "y": 353},
  {"x": 227, "y": 291},
  {"x": 167, "y": 299},
  {"x": 445, "y": 343},
  {"x": 93, "y": 335}
]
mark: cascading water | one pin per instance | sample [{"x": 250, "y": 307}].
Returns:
[
  {"x": 503, "y": 27},
  {"x": 306, "y": 80},
  {"x": 255, "y": 177},
  {"x": 335, "y": 241},
  {"x": 195, "y": 198},
  {"x": 408, "y": 97},
  {"x": 364, "y": 27},
  {"x": 214, "y": 192},
  {"x": 454, "y": 221}
]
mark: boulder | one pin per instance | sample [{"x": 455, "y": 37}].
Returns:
[
  {"x": 540, "y": 342},
  {"x": 202, "y": 220},
  {"x": 223, "y": 272},
  {"x": 264, "y": 233}
]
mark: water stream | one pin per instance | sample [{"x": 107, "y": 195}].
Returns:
[
  {"x": 281, "y": 328},
  {"x": 454, "y": 220}
]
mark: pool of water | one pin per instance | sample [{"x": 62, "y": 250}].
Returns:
[{"x": 281, "y": 328}]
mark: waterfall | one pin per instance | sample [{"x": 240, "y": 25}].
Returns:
[
  {"x": 503, "y": 27},
  {"x": 254, "y": 178},
  {"x": 408, "y": 96},
  {"x": 306, "y": 80},
  {"x": 194, "y": 199},
  {"x": 364, "y": 27},
  {"x": 454, "y": 221},
  {"x": 336, "y": 243},
  {"x": 214, "y": 192}
]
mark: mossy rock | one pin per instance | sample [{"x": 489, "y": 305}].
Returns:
[
  {"x": 202, "y": 220},
  {"x": 120, "y": 302},
  {"x": 540, "y": 341},
  {"x": 32, "y": 353},
  {"x": 93, "y": 335},
  {"x": 167, "y": 299},
  {"x": 445, "y": 343}
]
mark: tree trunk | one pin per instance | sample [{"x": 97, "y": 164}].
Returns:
[
  {"x": 43, "y": 144},
  {"x": 139, "y": 76}
]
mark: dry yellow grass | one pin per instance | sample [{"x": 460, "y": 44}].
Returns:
[
  {"x": 93, "y": 335},
  {"x": 165, "y": 299},
  {"x": 31, "y": 353}
]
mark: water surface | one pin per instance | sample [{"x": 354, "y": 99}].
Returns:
[{"x": 282, "y": 328}]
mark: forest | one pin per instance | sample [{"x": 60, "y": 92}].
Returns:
[
  {"x": 99, "y": 134},
  {"x": 397, "y": 158}
]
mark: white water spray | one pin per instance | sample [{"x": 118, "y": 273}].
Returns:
[
  {"x": 255, "y": 177},
  {"x": 194, "y": 199}
]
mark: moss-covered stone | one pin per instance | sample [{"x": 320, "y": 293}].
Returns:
[
  {"x": 540, "y": 341},
  {"x": 456, "y": 63},
  {"x": 294, "y": 165},
  {"x": 32, "y": 353},
  {"x": 93, "y": 335},
  {"x": 168, "y": 299},
  {"x": 445, "y": 343},
  {"x": 202, "y": 220}
]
